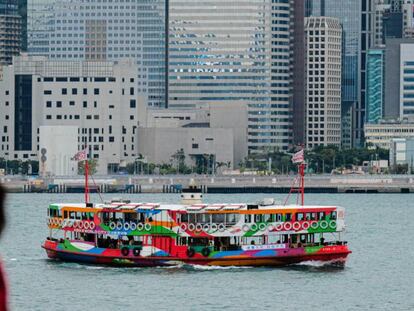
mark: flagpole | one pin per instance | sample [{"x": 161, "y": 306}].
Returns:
[{"x": 86, "y": 181}]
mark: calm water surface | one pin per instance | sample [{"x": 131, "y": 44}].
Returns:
[{"x": 379, "y": 275}]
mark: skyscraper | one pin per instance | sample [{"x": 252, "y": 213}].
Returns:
[
  {"x": 103, "y": 30},
  {"x": 235, "y": 52},
  {"x": 323, "y": 81},
  {"x": 375, "y": 85},
  {"x": 354, "y": 16},
  {"x": 10, "y": 31}
]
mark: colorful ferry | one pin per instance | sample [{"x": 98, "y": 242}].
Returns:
[{"x": 123, "y": 233}]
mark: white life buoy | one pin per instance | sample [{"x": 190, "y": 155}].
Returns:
[
  {"x": 76, "y": 224},
  {"x": 246, "y": 227},
  {"x": 296, "y": 226},
  {"x": 213, "y": 227},
  {"x": 270, "y": 227},
  {"x": 221, "y": 227},
  {"x": 119, "y": 226},
  {"x": 112, "y": 226},
  {"x": 314, "y": 225},
  {"x": 198, "y": 227},
  {"x": 332, "y": 224},
  {"x": 206, "y": 227},
  {"x": 147, "y": 227},
  {"x": 191, "y": 227},
  {"x": 92, "y": 225},
  {"x": 126, "y": 226},
  {"x": 133, "y": 226},
  {"x": 279, "y": 227},
  {"x": 324, "y": 224},
  {"x": 306, "y": 225},
  {"x": 80, "y": 225},
  {"x": 262, "y": 227},
  {"x": 183, "y": 226},
  {"x": 287, "y": 226},
  {"x": 60, "y": 220},
  {"x": 140, "y": 226},
  {"x": 253, "y": 227},
  {"x": 86, "y": 225}
]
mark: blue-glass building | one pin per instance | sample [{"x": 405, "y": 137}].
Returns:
[{"x": 375, "y": 85}]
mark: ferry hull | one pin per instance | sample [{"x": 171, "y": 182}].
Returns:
[{"x": 331, "y": 254}]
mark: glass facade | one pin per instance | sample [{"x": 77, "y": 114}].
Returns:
[
  {"x": 234, "y": 51},
  {"x": 104, "y": 30},
  {"x": 375, "y": 85}
]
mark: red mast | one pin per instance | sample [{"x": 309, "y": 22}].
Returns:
[
  {"x": 86, "y": 181},
  {"x": 298, "y": 185}
]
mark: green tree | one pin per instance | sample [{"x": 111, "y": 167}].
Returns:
[{"x": 92, "y": 167}]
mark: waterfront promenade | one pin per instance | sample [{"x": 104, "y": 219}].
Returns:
[{"x": 213, "y": 184}]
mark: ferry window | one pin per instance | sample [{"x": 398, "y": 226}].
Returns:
[
  {"x": 308, "y": 216},
  {"x": 299, "y": 216},
  {"x": 321, "y": 215},
  {"x": 65, "y": 214},
  {"x": 258, "y": 218},
  {"x": 72, "y": 215},
  {"x": 278, "y": 217},
  {"x": 217, "y": 218},
  {"x": 313, "y": 216},
  {"x": 288, "y": 217},
  {"x": 333, "y": 215},
  {"x": 78, "y": 215},
  {"x": 231, "y": 219},
  {"x": 149, "y": 240},
  {"x": 247, "y": 218},
  {"x": 184, "y": 217},
  {"x": 267, "y": 217},
  {"x": 192, "y": 218},
  {"x": 204, "y": 218}
]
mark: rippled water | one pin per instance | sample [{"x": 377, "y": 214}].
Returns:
[{"x": 379, "y": 275}]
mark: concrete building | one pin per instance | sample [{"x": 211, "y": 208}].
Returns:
[
  {"x": 10, "y": 31},
  {"x": 55, "y": 157},
  {"x": 100, "y": 98},
  {"x": 298, "y": 92},
  {"x": 234, "y": 52},
  {"x": 218, "y": 131},
  {"x": 323, "y": 81},
  {"x": 104, "y": 30},
  {"x": 382, "y": 133},
  {"x": 402, "y": 152},
  {"x": 375, "y": 85}
]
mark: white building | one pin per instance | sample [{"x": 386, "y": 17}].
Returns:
[
  {"x": 217, "y": 132},
  {"x": 381, "y": 134},
  {"x": 407, "y": 81},
  {"x": 402, "y": 152},
  {"x": 100, "y": 98},
  {"x": 323, "y": 81}
]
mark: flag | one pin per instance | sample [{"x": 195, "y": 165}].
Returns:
[
  {"x": 298, "y": 157},
  {"x": 81, "y": 155}
]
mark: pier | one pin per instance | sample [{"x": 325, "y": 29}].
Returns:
[{"x": 212, "y": 184}]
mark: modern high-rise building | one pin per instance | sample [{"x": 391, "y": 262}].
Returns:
[
  {"x": 323, "y": 81},
  {"x": 234, "y": 51},
  {"x": 10, "y": 31},
  {"x": 104, "y": 30},
  {"x": 375, "y": 85},
  {"x": 354, "y": 16},
  {"x": 298, "y": 63}
]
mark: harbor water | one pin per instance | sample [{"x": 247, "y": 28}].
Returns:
[{"x": 379, "y": 274}]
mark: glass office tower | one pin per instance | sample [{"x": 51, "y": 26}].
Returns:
[
  {"x": 235, "y": 52},
  {"x": 103, "y": 30},
  {"x": 375, "y": 85}
]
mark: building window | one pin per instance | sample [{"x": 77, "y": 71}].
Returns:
[
  {"x": 74, "y": 91},
  {"x": 64, "y": 91},
  {"x": 195, "y": 146},
  {"x": 85, "y": 104},
  {"x": 48, "y": 117},
  {"x": 58, "y": 104},
  {"x": 85, "y": 91},
  {"x": 71, "y": 103},
  {"x": 111, "y": 139},
  {"x": 47, "y": 92},
  {"x": 96, "y": 91},
  {"x": 133, "y": 103},
  {"x": 131, "y": 91},
  {"x": 131, "y": 117},
  {"x": 49, "y": 104},
  {"x": 59, "y": 117}
]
